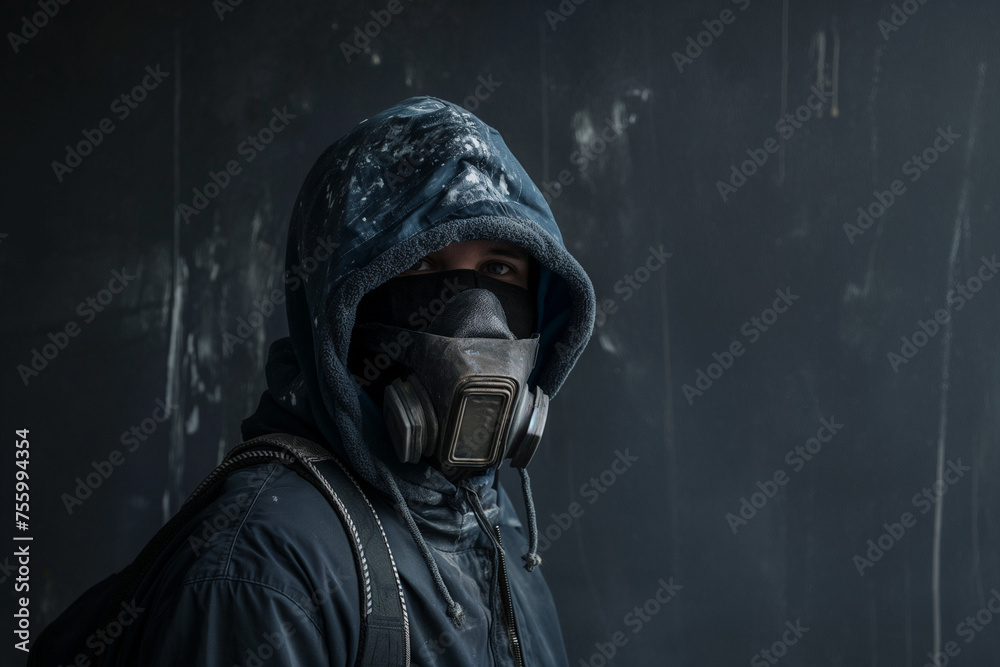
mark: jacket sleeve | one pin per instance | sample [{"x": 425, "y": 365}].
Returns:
[{"x": 224, "y": 622}]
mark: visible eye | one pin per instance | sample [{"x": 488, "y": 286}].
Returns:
[
  {"x": 420, "y": 265},
  {"x": 498, "y": 268}
]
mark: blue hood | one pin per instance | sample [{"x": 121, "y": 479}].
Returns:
[{"x": 404, "y": 183}]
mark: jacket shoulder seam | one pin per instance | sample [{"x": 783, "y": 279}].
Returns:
[{"x": 246, "y": 515}]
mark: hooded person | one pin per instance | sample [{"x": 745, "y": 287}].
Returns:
[{"x": 421, "y": 378}]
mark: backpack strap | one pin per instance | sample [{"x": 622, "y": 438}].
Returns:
[{"x": 385, "y": 634}]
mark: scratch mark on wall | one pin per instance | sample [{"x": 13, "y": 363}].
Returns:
[
  {"x": 175, "y": 453},
  {"x": 872, "y": 120},
  {"x": 960, "y": 224},
  {"x": 819, "y": 52},
  {"x": 545, "y": 103},
  {"x": 784, "y": 86},
  {"x": 835, "y": 71}
]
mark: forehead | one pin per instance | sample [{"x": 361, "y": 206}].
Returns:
[{"x": 480, "y": 248}]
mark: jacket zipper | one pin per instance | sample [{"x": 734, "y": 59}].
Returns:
[
  {"x": 508, "y": 603},
  {"x": 506, "y": 600}
]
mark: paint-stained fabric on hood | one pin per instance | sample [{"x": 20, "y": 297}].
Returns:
[{"x": 404, "y": 183}]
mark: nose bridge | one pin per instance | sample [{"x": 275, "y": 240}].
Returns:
[
  {"x": 456, "y": 256},
  {"x": 460, "y": 260},
  {"x": 474, "y": 312}
]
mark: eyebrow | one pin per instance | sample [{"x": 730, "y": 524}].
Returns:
[{"x": 506, "y": 251}]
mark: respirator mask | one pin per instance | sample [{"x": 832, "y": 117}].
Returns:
[{"x": 452, "y": 376}]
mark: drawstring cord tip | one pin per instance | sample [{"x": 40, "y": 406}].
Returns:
[
  {"x": 531, "y": 561},
  {"x": 456, "y": 614}
]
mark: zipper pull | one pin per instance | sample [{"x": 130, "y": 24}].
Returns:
[{"x": 484, "y": 522}]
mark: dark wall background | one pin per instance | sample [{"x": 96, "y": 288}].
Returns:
[{"x": 676, "y": 133}]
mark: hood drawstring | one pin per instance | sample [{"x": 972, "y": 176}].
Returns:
[
  {"x": 455, "y": 611},
  {"x": 531, "y": 559}
]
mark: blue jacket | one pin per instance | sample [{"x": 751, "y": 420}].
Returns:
[{"x": 265, "y": 575}]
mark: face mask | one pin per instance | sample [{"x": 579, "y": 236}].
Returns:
[
  {"x": 412, "y": 302},
  {"x": 462, "y": 399}
]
